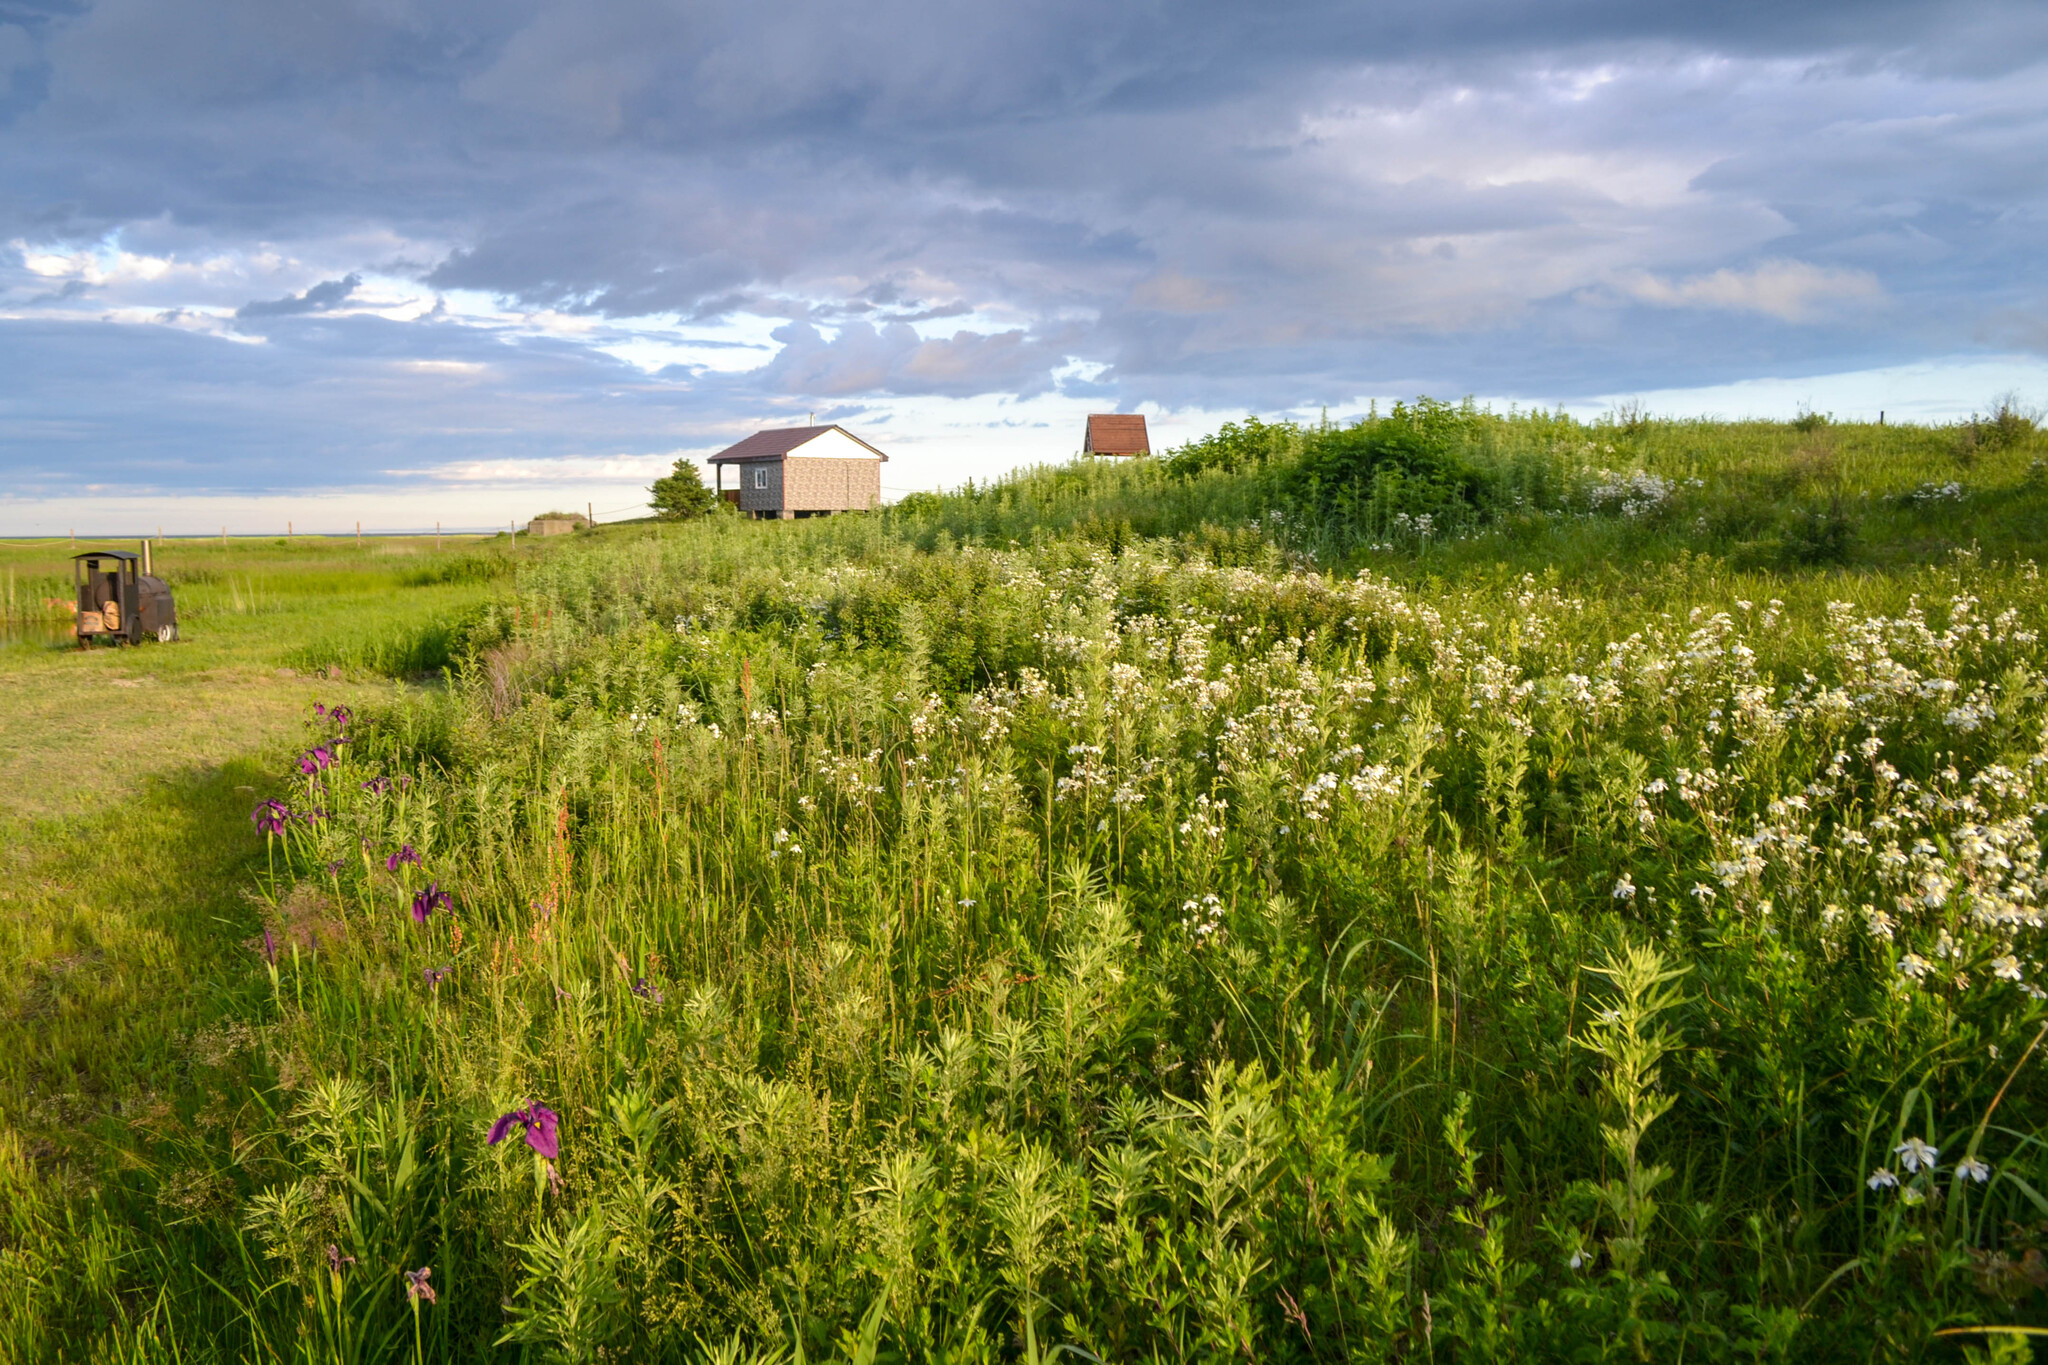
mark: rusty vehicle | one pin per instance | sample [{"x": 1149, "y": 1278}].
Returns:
[{"x": 119, "y": 600}]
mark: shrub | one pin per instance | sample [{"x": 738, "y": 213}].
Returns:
[
  {"x": 1821, "y": 536},
  {"x": 2007, "y": 425},
  {"x": 1234, "y": 447},
  {"x": 1390, "y": 474}
]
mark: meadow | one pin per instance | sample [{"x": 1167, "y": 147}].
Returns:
[{"x": 1462, "y": 886}]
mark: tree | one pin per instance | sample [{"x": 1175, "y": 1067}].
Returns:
[{"x": 680, "y": 495}]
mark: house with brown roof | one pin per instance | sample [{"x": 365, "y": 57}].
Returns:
[
  {"x": 1116, "y": 433},
  {"x": 800, "y": 472}
]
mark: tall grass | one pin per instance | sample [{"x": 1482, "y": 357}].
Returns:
[{"x": 1142, "y": 942}]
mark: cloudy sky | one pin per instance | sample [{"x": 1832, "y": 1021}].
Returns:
[{"x": 401, "y": 261}]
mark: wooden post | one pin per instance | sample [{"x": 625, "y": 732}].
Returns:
[
  {"x": 589, "y": 517},
  {"x": 223, "y": 537},
  {"x": 74, "y": 537},
  {"x": 359, "y": 535},
  {"x": 437, "y": 536},
  {"x": 287, "y": 530}
]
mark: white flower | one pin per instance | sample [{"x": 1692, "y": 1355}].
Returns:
[
  {"x": 966, "y": 904},
  {"x": 1974, "y": 1169},
  {"x": 1578, "y": 1259},
  {"x": 1625, "y": 889},
  {"x": 2006, "y": 968},
  {"x": 1913, "y": 1154},
  {"x": 1915, "y": 966},
  {"x": 1702, "y": 893},
  {"x": 1882, "y": 1179}
]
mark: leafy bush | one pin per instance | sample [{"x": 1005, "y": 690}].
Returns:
[
  {"x": 1235, "y": 447},
  {"x": 2008, "y": 425},
  {"x": 1406, "y": 474}
]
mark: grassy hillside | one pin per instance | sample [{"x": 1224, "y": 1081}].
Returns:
[{"x": 1461, "y": 887}]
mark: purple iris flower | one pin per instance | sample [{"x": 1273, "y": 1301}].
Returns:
[
  {"x": 377, "y": 786},
  {"x": 318, "y": 709},
  {"x": 271, "y": 816},
  {"x": 436, "y": 975},
  {"x": 406, "y": 854},
  {"x": 336, "y": 868},
  {"x": 315, "y": 760},
  {"x": 337, "y": 1258},
  {"x": 538, "y": 1122},
  {"x": 417, "y": 1290},
  {"x": 269, "y": 948},
  {"x": 647, "y": 992},
  {"x": 428, "y": 901}
]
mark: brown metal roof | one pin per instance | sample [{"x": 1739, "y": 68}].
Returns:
[
  {"x": 773, "y": 445},
  {"x": 1117, "y": 433}
]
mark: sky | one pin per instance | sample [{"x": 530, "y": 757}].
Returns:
[{"x": 404, "y": 263}]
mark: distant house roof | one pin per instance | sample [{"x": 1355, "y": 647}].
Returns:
[
  {"x": 773, "y": 445},
  {"x": 1117, "y": 433}
]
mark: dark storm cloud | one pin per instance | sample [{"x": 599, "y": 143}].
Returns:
[{"x": 1212, "y": 205}]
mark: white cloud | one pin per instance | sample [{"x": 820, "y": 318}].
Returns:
[{"x": 1791, "y": 291}]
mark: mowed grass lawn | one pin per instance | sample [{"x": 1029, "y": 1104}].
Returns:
[{"x": 126, "y": 777}]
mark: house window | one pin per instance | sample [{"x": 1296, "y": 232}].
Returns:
[{"x": 760, "y": 478}]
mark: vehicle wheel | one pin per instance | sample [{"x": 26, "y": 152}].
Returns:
[{"x": 166, "y": 634}]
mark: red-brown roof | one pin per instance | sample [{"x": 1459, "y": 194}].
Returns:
[
  {"x": 773, "y": 445},
  {"x": 1117, "y": 433}
]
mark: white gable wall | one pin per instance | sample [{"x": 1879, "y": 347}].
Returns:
[{"x": 833, "y": 445}]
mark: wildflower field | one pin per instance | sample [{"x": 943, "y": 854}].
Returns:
[{"x": 1460, "y": 887}]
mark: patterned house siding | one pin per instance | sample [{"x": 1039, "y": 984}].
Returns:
[
  {"x": 831, "y": 485},
  {"x": 754, "y": 499},
  {"x": 799, "y": 485}
]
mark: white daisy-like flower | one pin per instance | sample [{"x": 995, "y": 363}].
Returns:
[
  {"x": 2006, "y": 968},
  {"x": 1625, "y": 889},
  {"x": 1915, "y": 966},
  {"x": 1914, "y": 1154},
  {"x": 1882, "y": 1179},
  {"x": 1971, "y": 1168}
]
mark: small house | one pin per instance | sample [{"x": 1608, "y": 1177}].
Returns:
[
  {"x": 1116, "y": 433},
  {"x": 800, "y": 472}
]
